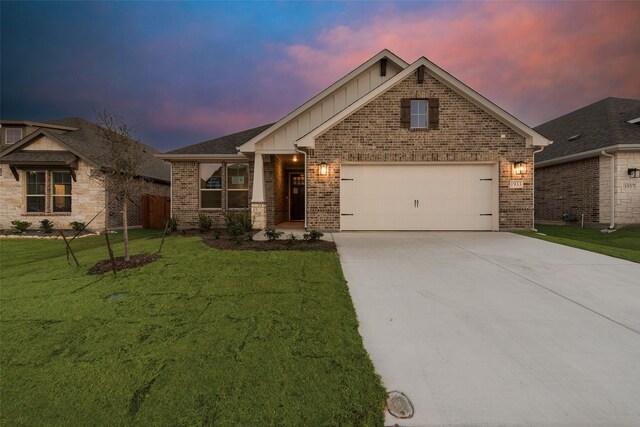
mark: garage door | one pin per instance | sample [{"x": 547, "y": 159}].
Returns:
[{"x": 417, "y": 197}]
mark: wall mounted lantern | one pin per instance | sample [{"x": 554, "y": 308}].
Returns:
[
  {"x": 634, "y": 172},
  {"x": 324, "y": 169},
  {"x": 519, "y": 167}
]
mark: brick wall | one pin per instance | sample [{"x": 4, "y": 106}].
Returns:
[
  {"x": 134, "y": 212},
  {"x": 185, "y": 194},
  {"x": 568, "y": 187},
  {"x": 87, "y": 200},
  {"x": 374, "y": 134}
]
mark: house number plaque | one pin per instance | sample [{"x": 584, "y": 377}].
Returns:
[{"x": 516, "y": 183}]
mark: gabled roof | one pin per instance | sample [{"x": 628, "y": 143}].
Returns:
[
  {"x": 86, "y": 141},
  {"x": 592, "y": 128},
  {"x": 385, "y": 53},
  {"x": 532, "y": 137},
  {"x": 223, "y": 145},
  {"x": 35, "y": 124}
]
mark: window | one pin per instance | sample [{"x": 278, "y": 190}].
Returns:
[
  {"x": 238, "y": 185},
  {"x": 35, "y": 191},
  {"x": 13, "y": 135},
  {"x": 210, "y": 185},
  {"x": 61, "y": 191},
  {"x": 418, "y": 113}
]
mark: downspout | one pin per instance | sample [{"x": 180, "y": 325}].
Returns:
[
  {"x": 613, "y": 189},
  {"x": 533, "y": 197},
  {"x": 304, "y": 153}
]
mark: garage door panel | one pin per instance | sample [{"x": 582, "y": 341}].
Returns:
[{"x": 383, "y": 197}]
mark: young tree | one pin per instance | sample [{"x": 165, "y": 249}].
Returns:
[{"x": 121, "y": 163}]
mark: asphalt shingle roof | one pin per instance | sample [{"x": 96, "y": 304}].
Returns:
[
  {"x": 599, "y": 125},
  {"x": 40, "y": 156},
  {"x": 223, "y": 145},
  {"x": 89, "y": 141}
]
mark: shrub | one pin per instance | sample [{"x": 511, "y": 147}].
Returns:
[
  {"x": 313, "y": 235},
  {"x": 172, "y": 224},
  {"x": 19, "y": 227},
  {"x": 204, "y": 223},
  {"x": 77, "y": 226},
  {"x": 46, "y": 225},
  {"x": 237, "y": 222},
  {"x": 217, "y": 233},
  {"x": 291, "y": 239},
  {"x": 272, "y": 234}
]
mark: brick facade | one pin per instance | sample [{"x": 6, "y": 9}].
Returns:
[
  {"x": 568, "y": 188},
  {"x": 374, "y": 134},
  {"x": 87, "y": 200},
  {"x": 185, "y": 192}
]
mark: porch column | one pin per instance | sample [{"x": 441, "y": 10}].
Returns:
[{"x": 258, "y": 203}]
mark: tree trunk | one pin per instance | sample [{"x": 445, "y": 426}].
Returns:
[{"x": 125, "y": 226}]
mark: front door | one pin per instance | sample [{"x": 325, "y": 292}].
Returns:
[{"x": 296, "y": 196}]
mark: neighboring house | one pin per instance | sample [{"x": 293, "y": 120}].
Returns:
[
  {"x": 390, "y": 146},
  {"x": 46, "y": 172},
  {"x": 573, "y": 176}
]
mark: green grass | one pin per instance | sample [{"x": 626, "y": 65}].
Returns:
[
  {"x": 204, "y": 337},
  {"x": 624, "y": 243}
]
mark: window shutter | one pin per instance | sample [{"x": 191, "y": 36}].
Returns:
[
  {"x": 405, "y": 112},
  {"x": 434, "y": 113}
]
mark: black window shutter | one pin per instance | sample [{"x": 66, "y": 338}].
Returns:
[
  {"x": 405, "y": 112},
  {"x": 434, "y": 113}
]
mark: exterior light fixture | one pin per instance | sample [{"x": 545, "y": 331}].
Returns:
[
  {"x": 634, "y": 172},
  {"x": 519, "y": 167},
  {"x": 295, "y": 158},
  {"x": 324, "y": 169}
]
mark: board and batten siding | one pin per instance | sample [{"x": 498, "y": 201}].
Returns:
[{"x": 336, "y": 101}]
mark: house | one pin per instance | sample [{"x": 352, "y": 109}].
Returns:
[
  {"x": 596, "y": 149},
  {"x": 47, "y": 170},
  {"x": 389, "y": 146}
]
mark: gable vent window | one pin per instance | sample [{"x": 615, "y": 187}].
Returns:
[
  {"x": 13, "y": 135},
  {"x": 422, "y": 113}
]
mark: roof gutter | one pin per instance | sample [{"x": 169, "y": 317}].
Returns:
[
  {"x": 587, "y": 154},
  {"x": 533, "y": 196}
]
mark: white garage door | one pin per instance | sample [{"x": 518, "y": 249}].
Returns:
[{"x": 417, "y": 197}]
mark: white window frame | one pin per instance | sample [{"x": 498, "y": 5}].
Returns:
[
  {"x": 425, "y": 115},
  {"x": 237, "y": 189},
  {"x": 6, "y": 135},
  {"x": 27, "y": 195},
  {"x": 53, "y": 194},
  {"x": 200, "y": 190}
]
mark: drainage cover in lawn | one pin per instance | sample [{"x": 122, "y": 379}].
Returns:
[
  {"x": 399, "y": 405},
  {"x": 117, "y": 296}
]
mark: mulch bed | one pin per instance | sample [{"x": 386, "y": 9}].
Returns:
[
  {"x": 135, "y": 261},
  {"x": 276, "y": 245},
  {"x": 38, "y": 233}
]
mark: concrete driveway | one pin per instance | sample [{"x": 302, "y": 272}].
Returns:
[{"x": 497, "y": 328}]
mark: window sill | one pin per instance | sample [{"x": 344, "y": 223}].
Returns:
[
  {"x": 421, "y": 129},
  {"x": 46, "y": 214},
  {"x": 210, "y": 209}
]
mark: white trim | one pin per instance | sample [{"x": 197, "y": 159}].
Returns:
[
  {"x": 587, "y": 154},
  {"x": 634, "y": 121},
  {"x": 249, "y": 146},
  {"x": 202, "y": 157},
  {"x": 532, "y": 137}
]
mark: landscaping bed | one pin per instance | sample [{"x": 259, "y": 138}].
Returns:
[
  {"x": 221, "y": 239},
  {"x": 135, "y": 261}
]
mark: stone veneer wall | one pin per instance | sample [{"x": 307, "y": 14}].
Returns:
[
  {"x": 185, "y": 197},
  {"x": 134, "y": 216},
  {"x": 627, "y": 189},
  {"x": 568, "y": 187},
  {"x": 87, "y": 199},
  {"x": 374, "y": 134}
]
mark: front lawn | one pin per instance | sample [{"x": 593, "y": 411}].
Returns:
[
  {"x": 199, "y": 337},
  {"x": 623, "y": 243}
]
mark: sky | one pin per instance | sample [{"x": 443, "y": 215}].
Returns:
[{"x": 185, "y": 72}]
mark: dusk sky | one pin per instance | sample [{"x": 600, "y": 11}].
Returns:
[{"x": 181, "y": 73}]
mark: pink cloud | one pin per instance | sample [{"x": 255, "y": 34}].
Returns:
[{"x": 537, "y": 60}]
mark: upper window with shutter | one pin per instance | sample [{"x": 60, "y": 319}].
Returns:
[{"x": 422, "y": 113}]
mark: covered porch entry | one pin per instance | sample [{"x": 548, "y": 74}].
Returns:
[{"x": 281, "y": 180}]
